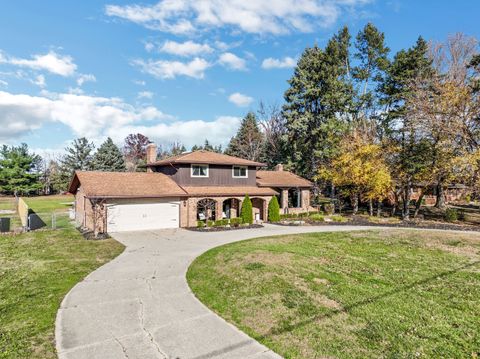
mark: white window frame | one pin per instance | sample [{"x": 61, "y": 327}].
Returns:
[
  {"x": 246, "y": 171},
  {"x": 199, "y": 164}
]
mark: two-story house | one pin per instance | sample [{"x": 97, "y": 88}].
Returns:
[{"x": 180, "y": 190}]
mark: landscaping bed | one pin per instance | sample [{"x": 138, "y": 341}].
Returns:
[
  {"x": 378, "y": 293},
  {"x": 224, "y": 228}
]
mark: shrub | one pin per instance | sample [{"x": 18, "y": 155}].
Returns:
[
  {"x": 317, "y": 217},
  {"x": 210, "y": 223},
  {"x": 247, "y": 212},
  {"x": 273, "y": 210},
  {"x": 338, "y": 218},
  {"x": 451, "y": 215},
  {"x": 200, "y": 224},
  {"x": 329, "y": 208},
  {"x": 235, "y": 222},
  {"x": 218, "y": 223}
]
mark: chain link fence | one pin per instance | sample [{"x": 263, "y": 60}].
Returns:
[{"x": 35, "y": 221}]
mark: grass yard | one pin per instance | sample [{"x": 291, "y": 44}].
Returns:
[
  {"x": 381, "y": 293},
  {"x": 45, "y": 204},
  {"x": 37, "y": 269}
]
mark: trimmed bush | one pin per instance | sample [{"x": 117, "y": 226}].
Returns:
[
  {"x": 200, "y": 224},
  {"x": 338, "y": 218},
  {"x": 317, "y": 217},
  {"x": 235, "y": 222},
  {"x": 247, "y": 212},
  {"x": 210, "y": 223},
  {"x": 451, "y": 215},
  {"x": 273, "y": 210}
]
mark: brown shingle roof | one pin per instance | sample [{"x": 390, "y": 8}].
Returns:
[
  {"x": 206, "y": 157},
  {"x": 125, "y": 184},
  {"x": 281, "y": 179},
  {"x": 229, "y": 191}
]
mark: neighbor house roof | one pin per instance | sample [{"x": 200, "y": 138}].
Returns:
[
  {"x": 229, "y": 191},
  {"x": 281, "y": 179},
  {"x": 124, "y": 185},
  {"x": 206, "y": 157}
]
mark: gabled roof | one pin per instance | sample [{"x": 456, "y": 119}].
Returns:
[
  {"x": 206, "y": 157},
  {"x": 281, "y": 179},
  {"x": 229, "y": 191},
  {"x": 125, "y": 185}
]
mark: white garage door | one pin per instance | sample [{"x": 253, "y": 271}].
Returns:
[{"x": 138, "y": 215}]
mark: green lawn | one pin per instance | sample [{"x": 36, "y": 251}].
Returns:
[
  {"x": 382, "y": 293},
  {"x": 45, "y": 204},
  {"x": 37, "y": 269}
]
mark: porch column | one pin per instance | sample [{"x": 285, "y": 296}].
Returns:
[
  {"x": 284, "y": 199},
  {"x": 218, "y": 208}
]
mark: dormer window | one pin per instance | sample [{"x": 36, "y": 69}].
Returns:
[
  {"x": 199, "y": 171},
  {"x": 240, "y": 172}
]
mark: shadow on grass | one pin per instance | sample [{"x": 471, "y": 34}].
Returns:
[{"x": 366, "y": 301}]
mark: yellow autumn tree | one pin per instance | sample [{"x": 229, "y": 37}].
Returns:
[{"x": 360, "y": 172}]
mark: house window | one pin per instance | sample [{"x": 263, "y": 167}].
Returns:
[
  {"x": 199, "y": 171},
  {"x": 240, "y": 172},
  {"x": 294, "y": 198}
]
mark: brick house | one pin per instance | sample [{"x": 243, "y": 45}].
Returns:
[{"x": 180, "y": 190}]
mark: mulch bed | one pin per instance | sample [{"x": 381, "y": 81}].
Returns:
[
  {"x": 220, "y": 229},
  {"x": 359, "y": 221}
]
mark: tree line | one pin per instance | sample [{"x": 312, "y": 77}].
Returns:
[{"x": 359, "y": 122}]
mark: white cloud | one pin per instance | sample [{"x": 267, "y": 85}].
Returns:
[
  {"x": 254, "y": 16},
  {"x": 82, "y": 78},
  {"x": 240, "y": 100},
  {"x": 52, "y": 62},
  {"x": 232, "y": 61},
  {"x": 188, "y": 48},
  {"x": 40, "y": 81},
  {"x": 85, "y": 115},
  {"x": 97, "y": 117},
  {"x": 170, "y": 69},
  {"x": 3, "y": 83},
  {"x": 139, "y": 82},
  {"x": 145, "y": 94},
  {"x": 271, "y": 63},
  {"x": 149, "y": 46}
]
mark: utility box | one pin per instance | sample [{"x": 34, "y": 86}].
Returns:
[{"x": 4, "y": 224}]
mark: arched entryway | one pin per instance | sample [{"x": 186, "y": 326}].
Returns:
[
  {"x": 258, "y": 207},
  {"x": 231, "y": 208},
  {"x": 206, "y": 209}
]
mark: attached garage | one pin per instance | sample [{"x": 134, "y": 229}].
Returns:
[
  {"x": 126, "y": 201},
  {"x": 139, "y": 215}
]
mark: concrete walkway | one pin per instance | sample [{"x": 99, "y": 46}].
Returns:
[{"x": 140, "y": 306}]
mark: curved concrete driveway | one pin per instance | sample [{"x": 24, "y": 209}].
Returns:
[{"x": 140, "y": 306}]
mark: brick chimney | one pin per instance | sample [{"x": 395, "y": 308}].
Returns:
[
  {"x": 151, "y": 154},
  {"x": 279, "y": 167}
]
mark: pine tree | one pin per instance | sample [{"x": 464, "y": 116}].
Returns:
[
  {"x": 108, "y": 158},
  {"x": 249, "y": 142},
  {"x": 273, "y": 210},
  {"x": 78, "y": 157},
  {"x": 19, "y": 170},
  {"x": 318, "y": 105},
  {"x": 247, "y": 211}
]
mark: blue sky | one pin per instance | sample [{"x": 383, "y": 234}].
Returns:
[{"x": 176, "y": 70}]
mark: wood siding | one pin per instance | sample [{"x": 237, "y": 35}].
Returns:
[{"x": 218, "y": 175}]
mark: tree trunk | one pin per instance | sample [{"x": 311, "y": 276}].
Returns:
[
  {"x": 379, "y": 208},
  {"x": 418, "y": 205},
  {"x": 440, "y": 196},
  {"x": 355, "y": 203},
  {"x": 370, "y": 207},
  {"x": 406, "y": 202}
]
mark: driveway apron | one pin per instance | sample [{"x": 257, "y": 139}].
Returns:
[{"x": 140, "y": 306}]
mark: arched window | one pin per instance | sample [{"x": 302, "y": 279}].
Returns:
[{"x": 206, "y": 209}]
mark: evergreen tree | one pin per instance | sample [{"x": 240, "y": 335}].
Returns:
[
  {"x": 19, "y": 170},
  {"x": 249, "y": 142},
  {"x": 318, "y": 105},
  {"x": 78, "y": 157},
  {"x": 273, "y": 210},
  {"x": 207, "y": 147},
  {"x": 108, "y": 158},
  {"x": 247, "y": 211}
]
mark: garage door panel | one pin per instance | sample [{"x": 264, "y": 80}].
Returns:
[{"x": 131, "y": 216}]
